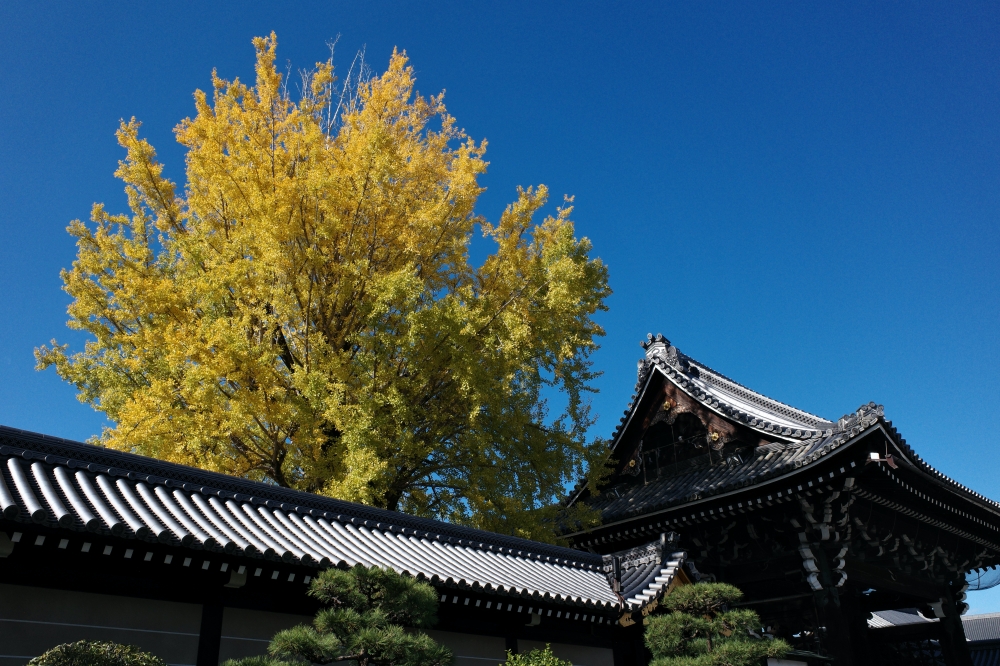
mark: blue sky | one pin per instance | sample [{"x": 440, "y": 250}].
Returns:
[{"x": 803, "y": 196}]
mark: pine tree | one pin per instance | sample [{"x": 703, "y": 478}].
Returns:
[
  {"x": 700, "y": 629},
  {"x": 369, "y": 619}
]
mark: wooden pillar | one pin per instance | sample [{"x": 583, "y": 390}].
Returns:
[
  {"x": 836, "y": 637},
  {"x": 628, "y": 646},
  {"x": 953, "y": 643},
  {"x": 857, "y": 625},
  {"x": 835, "y": 617},
  {"x": 210, "y": 635}
]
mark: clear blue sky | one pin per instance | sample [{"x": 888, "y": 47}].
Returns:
[{"x": 803, "y": 196}]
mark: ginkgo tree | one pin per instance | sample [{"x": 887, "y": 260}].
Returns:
[{"x": 304, "y": 310}]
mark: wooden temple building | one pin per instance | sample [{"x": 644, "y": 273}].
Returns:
[{"x": 821, "y": 523}]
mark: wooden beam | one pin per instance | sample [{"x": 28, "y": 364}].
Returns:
[{"x": 896, "y": 581}]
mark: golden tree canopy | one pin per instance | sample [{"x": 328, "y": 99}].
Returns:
[{"x": 306, "y": 313}]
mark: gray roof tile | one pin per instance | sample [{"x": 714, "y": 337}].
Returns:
[
  {"x": 73, "y": 486},
  {"x": 985, "y": 627}
]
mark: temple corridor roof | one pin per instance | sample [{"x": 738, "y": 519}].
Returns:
[{"x": 79, "y": 488}]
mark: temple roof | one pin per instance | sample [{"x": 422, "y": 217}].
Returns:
[
  {"x": 795, "y": 439},
  {"x": 644, "y": 574},
  {"x": 76, "y": 489},
  {"x": 770, "y": 461},
  {"x": 730, "y": 399}
]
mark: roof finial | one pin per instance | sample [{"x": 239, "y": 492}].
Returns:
[{"x": 657, "y": 341}]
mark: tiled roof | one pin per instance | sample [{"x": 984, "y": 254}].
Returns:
[
  {"x": 985, "y": 627},
  {"x": 981, "y": 631},
  {"x": 978, "y": 628},
  {"x": 799, "y": 438},
  {"x": 878, "y": 622},
  {"x": 649, "y": 582},
  {"x": 768, "y": 461},
  {"x": 732, "y": 400},
  {"x": 896, "y": 618},
  {"x": 641, "y": 576},
  {"x": 985, "y": 654},
  {"x": 82, "y": 488}
]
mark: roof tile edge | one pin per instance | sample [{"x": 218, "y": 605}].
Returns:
[{"x": 55, "y": 450}]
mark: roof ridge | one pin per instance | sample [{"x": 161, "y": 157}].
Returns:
[
  {"x": 659, "y": 347},
  {"x": 766, "y": 398}
]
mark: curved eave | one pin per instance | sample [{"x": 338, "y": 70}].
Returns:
[
  {"x": 789, "y": 475},
  {"x": 720, "y": 397},
  {"x": 793, "y": 466},
  {"x": 935, "y": 476},
  {"x": 651, "y": 591},
  {"x": 645, "y": 377}
]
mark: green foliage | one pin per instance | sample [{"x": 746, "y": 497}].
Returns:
[
  {"x": 93, "y": 653},
  {"x": 703, "y": 599},
  {"x": 364, "y": 591},
  {"x": 256, "y": 661},
  {"x": 536, "y": 658},
  {"x": 700, "y": 629},
  {"x": 368, "y": 621}
]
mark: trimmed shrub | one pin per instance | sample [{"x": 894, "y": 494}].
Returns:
[
  {"x": 94, "y": 653},
  {"x": 369, "y": 619},
  {"x": 700, "y": 629},
  {"x": 257, "y": 661},
  {"x": 536, "y": 658}
]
